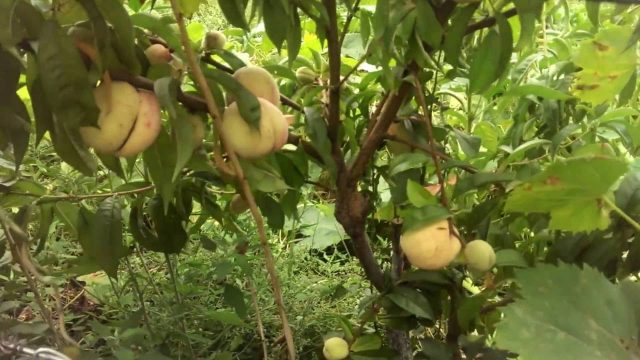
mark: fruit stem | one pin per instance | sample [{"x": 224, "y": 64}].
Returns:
[{"x": 621, "y": 212}]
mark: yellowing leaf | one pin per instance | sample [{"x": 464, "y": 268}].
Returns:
[
  {"x": 571, "y": 192},
  {"x": 607, "y": 64}
]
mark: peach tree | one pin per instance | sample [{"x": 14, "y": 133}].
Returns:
[{"x": 479, "y": 156}]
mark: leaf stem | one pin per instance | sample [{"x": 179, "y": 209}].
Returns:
[{"x": 621, "y": 212}]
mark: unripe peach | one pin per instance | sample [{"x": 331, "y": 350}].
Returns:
[
  {"x": 479, "y": 255},
  {"x": 335, "y": 348},
  {"x": 259, "y": 82},
  {"x": 306, "y": 75},
  {"x": 146, "y": 128},
  {"x": 158, "y": 54},
  {"x": 431, "y": 247},
  {"x": 119, "y": 105},
  {"x": 214, "y": 40},
  {"x": 248, "y": 142}
]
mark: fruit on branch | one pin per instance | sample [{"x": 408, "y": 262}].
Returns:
[
  {"x": 259, "y": 82},
  {"x": 248, "y": 142},
  {"x": 146, "y": 128},
  {"x": 479, "y": 255},
  {"x": 335, "y": 348},
  {"x": 158, "y": 54},
  {"x": 214, "y": 40},
  {"x": 306, "y": 75},
  {"x": 129, "y": 120},
  {"x": 238, "y": 205},
  {"x": 431, "y": 247},
  {"x": 198, "y": 129}
]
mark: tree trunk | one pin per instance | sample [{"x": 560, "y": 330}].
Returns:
[{"x": 399, "y": 341}]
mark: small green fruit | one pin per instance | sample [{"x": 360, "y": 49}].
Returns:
[
  {"x": 214, "y": 40},
  {"x": 479, "y": 255},
  {"x": 305, "y": 75},
  {"x": 335, "y": 348}
]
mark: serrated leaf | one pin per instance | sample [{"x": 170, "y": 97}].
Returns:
[
  {"x": 569, "y": 311},
  {"x": 158, "y": 158},
  {"x": 427, "y": 24},
  {"x": 510, "y": 257},
  {"x": 225, "y": 317},
  {"x": 64, "y": 78},
  {"x": 484, "y": 64},
  {"x": 539, "y": 91},
  {"x": 367, "y": 342},
  {"x": 233, "y": 297},
  {"x": 412, "y": 301},
  {"x": 100, "y": 235},
  {"x": 276, "y": 22},
  {"x": 455, "y": 34},
  {"x": 167, "y": 223},
  {"x": 234, "y": 11},
  {"x": 123, "y": 41},
  {"x": 570, "y": 191}
]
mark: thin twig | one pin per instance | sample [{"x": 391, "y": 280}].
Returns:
[
  {"x": 138, "y": 291},
  {"x": 256, "y": 307},
  {"x": 174, "y": 282},
  {"x": 500, "y": 303},
  {"x": 71, "y": 197},
  {"x": 489, "y": 22},
  {"x": 239, "y": 174},
  {"x": 354, "y": 68},
  {"x": 468, "y": 168},
  {"x": 347, "y": 22},
  {"x": 434, "y": 153}
]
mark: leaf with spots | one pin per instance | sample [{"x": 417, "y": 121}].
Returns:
[
  {"x": 577, "y": 311},
  {"x": 571, "y": 192},
  {"x": 607, "y": 63}
]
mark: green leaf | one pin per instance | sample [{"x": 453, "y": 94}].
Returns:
[
  {"x": 570, "y": 191},
  {"x": 159, "y": 158},
  {"x": 223, "y": 316},
  {"x": 100, "y": 235},
  {"x": 233, "y": 297},
  {"x": 484, "y": 64},
  {"x": 234, "y": 11},
  {"x": 276, "y": 21},
  {"x": 247, "y": 102},
  {"x": 560, "y": 136},
  {"x": 470, "y": 144},
  {"x": 367, "y": 342},
  {"x": 419, "y": 217},
  {"x": 427, "y": 25},
  {"x": 412, "y": 301},
  {"x": 510, "y": 257},
  {"x": 64, "y": 78},
  {"x": 123, "y": 41},
  {"x": 539, "y": 91},
  {"x": 157, "y": 26},
  {"x": 593, "y": 12},
  {"x": 455, "y": 33},
  {"x": 407, "y": 161},
  {"x": 44, "y": 223},
  {"x": 506, "y": 44},
  {"x": 418, "y": 195},
  {"x": 263, "y": 178},
  {"x": 480, "y": 179},
  {"x": 294, "y": 36},
  {"x": 528, "y": 12},
  {"x": 171, "y": 234},
  {"x": 564, "y": 307}
]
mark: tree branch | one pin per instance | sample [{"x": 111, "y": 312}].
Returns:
[
  {"x": 376, "y": 133},
  {"x": 347, "y": 22},
  {"x": 490, "y": 21},
  {"x": 239, "y": 174}
]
